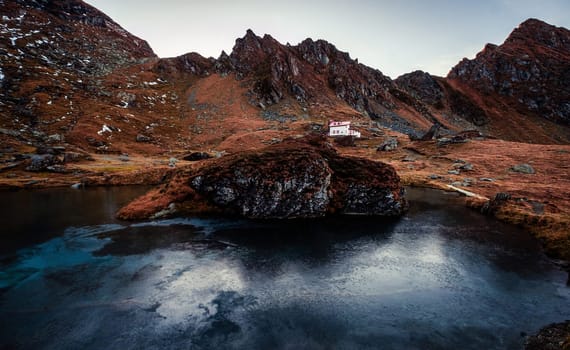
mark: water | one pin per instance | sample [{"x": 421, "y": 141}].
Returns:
[{"x": 441, "y": 277}]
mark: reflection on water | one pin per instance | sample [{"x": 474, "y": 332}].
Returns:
[
  {"x": 440, "y": 277},
  {"x": 30, "y": 217}
]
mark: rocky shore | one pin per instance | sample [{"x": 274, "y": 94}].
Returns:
[{"x": 555, "y": 336}]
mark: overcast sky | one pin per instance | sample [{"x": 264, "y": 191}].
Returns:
[{"x": 395, "y": 37}]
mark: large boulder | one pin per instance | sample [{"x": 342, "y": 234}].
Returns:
[{"x": 299, "y": 178}]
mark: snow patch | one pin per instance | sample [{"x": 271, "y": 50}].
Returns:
[
  {"x": 104, "y": 129},
  {"x": 47, "y": 60},
  {"x": 1, "y": 74}
]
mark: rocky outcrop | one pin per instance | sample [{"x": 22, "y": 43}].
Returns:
[
  {"x": 294, "y": 179},
  {"x": 423, "y": 86},
  {"x": 555, "y": 336}
]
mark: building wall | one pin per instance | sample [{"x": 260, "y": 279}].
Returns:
[{"x": 338, "y": 130}]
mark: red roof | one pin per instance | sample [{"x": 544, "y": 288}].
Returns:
[{"x": 333, "y": 123}]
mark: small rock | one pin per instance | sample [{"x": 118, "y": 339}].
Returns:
[
  {"x": 434, "y": 177},
  {"x": 8, "y": 166},
  {"x": 71, "y": 157},
  {"x": 55, "y": 138},
  {"x": 195, "y": 156},
  {"x": 409, "y": 158},
  {"x": 522, "y": 168},
  {"x": 172, "y": 162},
  {"x": 41, "y": 162},
  {"x": 467, "y": 167},
  {"x": 94, "y": 142},
  {"x": 13, "y": 133},
  {"x": 502, "y": 196},
  {"x": 143, "y": 138},
  {"x": 487, "y": 179},
  {"x": 453, "y": 172},
  {"x": 457, "y": 183},
  {"x": 388, "y": 145},
  {"x": 165, "y": 212},
  {"x": 443, "y": 141},
  {"x": 77, "y": 186},
  {"x": 57, "y": 168}
]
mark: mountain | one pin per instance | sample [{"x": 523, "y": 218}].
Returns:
[
  {"x": 308, "y": 75},
  {"x": 519, "y": 90},
  {"x": 73, "y": 78},
  {"x": 56, "y": 56}
]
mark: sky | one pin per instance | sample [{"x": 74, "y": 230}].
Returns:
[{"x": 396, "y": 37}]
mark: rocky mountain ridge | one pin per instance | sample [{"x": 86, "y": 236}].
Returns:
[
  {"x": 518, "y": 90},
  {"x": 71, "y": 77},
  {"x": 531, "y": 68}
]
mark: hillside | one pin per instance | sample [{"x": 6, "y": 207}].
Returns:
[
  {"x": 73, "y": 78},
  {"x": 517, "y": 91}
]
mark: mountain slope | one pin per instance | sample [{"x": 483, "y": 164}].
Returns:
[
  {"x": 55, "y": 56},
  {"x": 531, "y": 68},
  {"x": 73, "y": 78},
  {"x": 311, "y": 74},
  {"x": 517, "y": 91}
]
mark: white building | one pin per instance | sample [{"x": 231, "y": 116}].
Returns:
[{"x": 342, "y": 129}]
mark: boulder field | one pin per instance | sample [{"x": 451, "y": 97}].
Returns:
[{"x": 298, "y": 178}]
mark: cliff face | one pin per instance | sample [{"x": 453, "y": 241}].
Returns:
[{"x": 298, "y": 178}]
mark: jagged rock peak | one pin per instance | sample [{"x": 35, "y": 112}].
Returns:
[
  {"x": 421, "y": 85},
  {"x": 541, "y": 32}
]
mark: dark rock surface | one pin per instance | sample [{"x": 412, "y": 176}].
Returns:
[
  {"x": 555, "y": 336},
  {"x": 44, "y": 162},
  {"x": 388, "y": 145},
  {"x": 300, "y": 179},
  {"x": 423, "y": 86},
  {"x": 195, "y": 156},
  {"x": 523, "y": 168}
]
